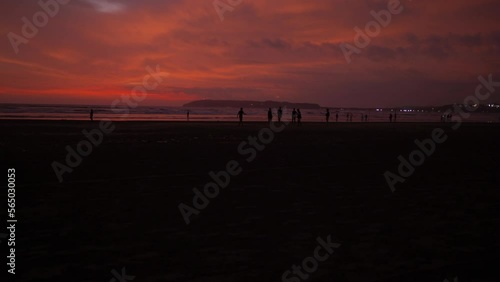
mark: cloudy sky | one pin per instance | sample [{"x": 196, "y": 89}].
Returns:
[{"x": 92, "y": 51}]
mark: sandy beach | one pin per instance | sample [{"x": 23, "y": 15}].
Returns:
[{"x": 120, "y": 207}]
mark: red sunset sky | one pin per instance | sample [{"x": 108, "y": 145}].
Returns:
[{"x": 92, "y": 51}]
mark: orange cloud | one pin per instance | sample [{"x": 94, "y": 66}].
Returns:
[{"x": 94, "y": 50}]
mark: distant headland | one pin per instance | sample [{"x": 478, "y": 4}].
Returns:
[{"x": 249, "y": 104}]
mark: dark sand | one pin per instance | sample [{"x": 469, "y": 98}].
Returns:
[{"x": 119, "y": 208}]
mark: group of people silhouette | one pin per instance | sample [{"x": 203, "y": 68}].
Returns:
[
  {"x": 446, "y": 118},
  {"x": 297, "y": 116}
]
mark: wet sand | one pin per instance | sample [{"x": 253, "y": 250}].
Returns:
[{"x": 119, "y": 208}]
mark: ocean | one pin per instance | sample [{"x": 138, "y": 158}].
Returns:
[{"x": 81, "y": 112}]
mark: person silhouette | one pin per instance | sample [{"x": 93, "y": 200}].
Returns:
[
  {"x": 395, "y": 116},
  {"x": 240, "y": 116},
  {"x": 187, "y": 115},
  {"x": 390, "y": 117},
  {"x": 350, "y": 117},
  {"x": 327, "y": 115},
  {"x": 280, "y": 113},
  {"x": 91, "y": 114},
  {"x": 294, "y": 115},
  {"x": 337, "y": 117},
  {"x": 299, "y": 117},
  {"x": 366, "y": 118},
  {"x": 270, "y": 115}
]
